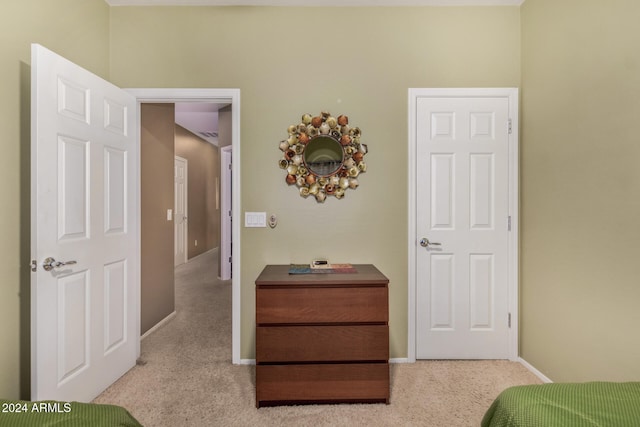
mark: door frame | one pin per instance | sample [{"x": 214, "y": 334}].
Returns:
[
  {"x": 230, "y": 96},
  {"x": 511, "y": 94},
  {"x": 185, "y": 227}
]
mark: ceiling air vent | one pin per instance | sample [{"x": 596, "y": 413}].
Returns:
[{"x": 209, "y": 134}]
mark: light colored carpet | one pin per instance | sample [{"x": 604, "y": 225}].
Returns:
[{"x": 187, "y": 378}]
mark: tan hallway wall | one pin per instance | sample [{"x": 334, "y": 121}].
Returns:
[
  {"x": 157, "y": 138},
  {"x": 203, "y": 180}
]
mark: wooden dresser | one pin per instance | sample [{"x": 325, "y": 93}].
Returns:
[{"x": 322, "y": 337}]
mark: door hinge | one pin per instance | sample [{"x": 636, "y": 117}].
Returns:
[
  {"x": 509, "y": 321},
  {"x": 509, "y": 223},
  {"x": 34, "y": 265},
  {"x": 229, "y": 259},
  {"x": 509, "y": 126}
]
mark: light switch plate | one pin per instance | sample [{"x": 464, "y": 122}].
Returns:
[{"x": 255, "y": 219}]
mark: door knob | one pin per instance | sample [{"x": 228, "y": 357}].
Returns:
[
  {"x": 425, "y": 243},
  {"x": 50, "y": 263}
]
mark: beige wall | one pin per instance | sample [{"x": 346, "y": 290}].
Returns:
[
  {"x": 203, "y": 178},
  {"x": 581, "y": 189},
  {"x": 78, "y": 30},
  {"x": 157, "y": 156},
  {"x": 286, "y": 62}
]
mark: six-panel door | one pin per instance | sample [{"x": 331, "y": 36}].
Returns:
[{"x": 462, "y": 204}]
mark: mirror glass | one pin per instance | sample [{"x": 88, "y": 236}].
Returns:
[{"x": 323, "y": 155}]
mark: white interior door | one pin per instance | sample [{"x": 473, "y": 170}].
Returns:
[
  {"x": 226, "y": 213},
  {"x": 462, "y": 211},
  {"x": 180, "y": 209},
  {"x": 84, "y": 321}
]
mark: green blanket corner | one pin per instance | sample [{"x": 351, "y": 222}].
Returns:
[
  {"x": 49, "y": 413},
  {"x": 592, "y": 404}
]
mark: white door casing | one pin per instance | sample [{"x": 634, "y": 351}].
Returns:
[
  {"x": 216, "y": 96},
  {"x": 180, "y": 218},
  {"x": 463, "y": 194},
  {"x": 85, "y": 326}
]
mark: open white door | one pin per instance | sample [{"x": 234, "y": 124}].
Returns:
[
  {"x": 226, "y": 213},
  {"x": 84, "y": 321},
  {"x": 180, "y": 182}
]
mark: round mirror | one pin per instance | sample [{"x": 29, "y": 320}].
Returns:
[{"x": 323, "y": 155}]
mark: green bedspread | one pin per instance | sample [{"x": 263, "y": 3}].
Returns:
[
  {"x": 602, "y": 404},
  {"x": 19, "y": 413}
]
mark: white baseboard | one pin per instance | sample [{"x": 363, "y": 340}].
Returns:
[
  {"x": 537, "y": 373},
  {"x": 158, "y": 325},
  {"x": 400, "y": 360}
]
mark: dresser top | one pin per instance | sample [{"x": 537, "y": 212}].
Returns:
[{"x": 278, "y": 275}]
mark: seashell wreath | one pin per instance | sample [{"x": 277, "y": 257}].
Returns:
[{"x": 298, "y": 171}]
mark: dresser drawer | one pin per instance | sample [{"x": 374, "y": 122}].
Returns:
[
  {"x": 322, "y": 343},
  {"x": 321, "y": 305},
  {"x": 358, "y": 382}
]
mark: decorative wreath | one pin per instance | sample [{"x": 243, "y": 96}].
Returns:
[{"x": 324, "y": 178}]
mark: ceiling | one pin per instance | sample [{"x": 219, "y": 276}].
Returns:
[
  {"x": 200, "y": 118},
  {"x": 314, "y": 2}
]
